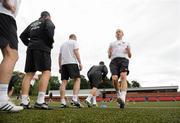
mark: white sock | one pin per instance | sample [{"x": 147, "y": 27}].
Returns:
[
  {"x": 123, "y": 95},
  {"x": 25, "y": 99},
  {"x": 40, "y": 98},
  {"x": 89, "y": 97},
  {"x": 94, "y": 100},
  {"x": 75, "y": 98},
  {"x": 118, "y": 94},
  {"x": 63, "y": 101},
  {"x": 3, "y": 92}
]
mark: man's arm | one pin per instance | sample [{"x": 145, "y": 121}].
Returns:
[
  {"x": 105, "y": 71},
  {"x": 25, "y": 36},
  {"x": 59, "y": 61},
  {"x": 49, "y": 30},
  {"x": 76, "y": 52},
  {"x": 128, "y": 50},
  {"x": 109, "y": 52}
]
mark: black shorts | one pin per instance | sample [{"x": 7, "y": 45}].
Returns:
[
  {"x": 8, "y": 32},
  {"x": 119, "y": 65},
  {"x": 37, "y": 60},
  {"x": 95, "y": 79},
  {"x": 70, "y": 71}
]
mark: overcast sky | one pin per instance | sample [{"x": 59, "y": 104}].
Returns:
[{"x": 152, "y": 27}]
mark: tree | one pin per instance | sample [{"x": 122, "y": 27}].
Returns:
[
  {"x": 70, "y": 84},
  {"x": 18, "y": 83},
  {"x": 84, "y": 83},
  {"x": 106, "y": 83},
  {"x": 129, "y": 84},
  {"x": 34, "y": 88},
  {"x": 53, "y": 83},
  {"x": 135, "y": 84}
]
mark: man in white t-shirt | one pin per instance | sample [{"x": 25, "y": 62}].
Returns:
[
  {"x": 119, "y": 52},
  {"x": 9, "y": 49},
  {"x": 69, "y": 67}
]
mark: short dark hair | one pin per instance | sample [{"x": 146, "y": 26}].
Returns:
[
  {"x": 101, "y": 63},
  {"x": 71, "y": 36},
  {"x": 44, "y": 14}
]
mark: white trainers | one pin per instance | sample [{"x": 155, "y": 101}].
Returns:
[
  {"x": 88, "y": 103},
  {"x": 10, "y": 107}
]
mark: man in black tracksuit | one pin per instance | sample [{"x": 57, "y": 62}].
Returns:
[
  {"x": 38, "y": 37},
  {"x": 96, "y": 74}
]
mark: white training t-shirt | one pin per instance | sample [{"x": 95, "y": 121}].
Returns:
[
  {"x": 67, "y": 52},
  {"x": 119, "y": 49},
  {"x": 8, "y": 12}
]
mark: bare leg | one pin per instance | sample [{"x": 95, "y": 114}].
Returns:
[
  {"x": 76, "y": 87},
  {"x": 93, "y": 91},
  {"x": 26, "y": 83},
  {"x": 124, "y": 86},
  {"x": 62, "y": 91},
  {"x": 91, "y": 94},
  {"x": 25, "y": 88},
  {"x": 115, "y": 82},
  {"x": 43, "y": 86},
  {"x": 10, "y": 56}
]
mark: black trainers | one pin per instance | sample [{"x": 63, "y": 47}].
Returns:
[
  {"x": 41, "y": 106},
  {"x": 95, "y": 105},
  {"x": 63, "y": 106},
  {"x": 28, "y": 106},
  {"x": 76, "y": 103},
  {"x": 121, "y": 103}
]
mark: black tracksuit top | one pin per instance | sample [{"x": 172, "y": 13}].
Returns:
[
  {"x": 39, "y": 35},
  {"x": 98, "y": 69}
]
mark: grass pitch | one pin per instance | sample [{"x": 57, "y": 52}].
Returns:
[{"x": 141, "y": 112}]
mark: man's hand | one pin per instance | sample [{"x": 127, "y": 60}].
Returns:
[
  {"x": 59, "y": 70},
  {"x": 80, "y": 67},
  {"x": 128, "y": 51}
]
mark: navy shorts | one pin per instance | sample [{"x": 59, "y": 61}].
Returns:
[
  {"x": 37, "y": 60},
  {"x": 8, "y": 32},
  {"x": 119, "y": 65},
  {"x": 70, "y": 71}
]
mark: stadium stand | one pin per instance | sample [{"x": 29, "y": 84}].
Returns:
[{"x": 152, "y": 94}]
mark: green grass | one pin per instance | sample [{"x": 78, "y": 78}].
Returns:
[{"x": 141, "y": 112}]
